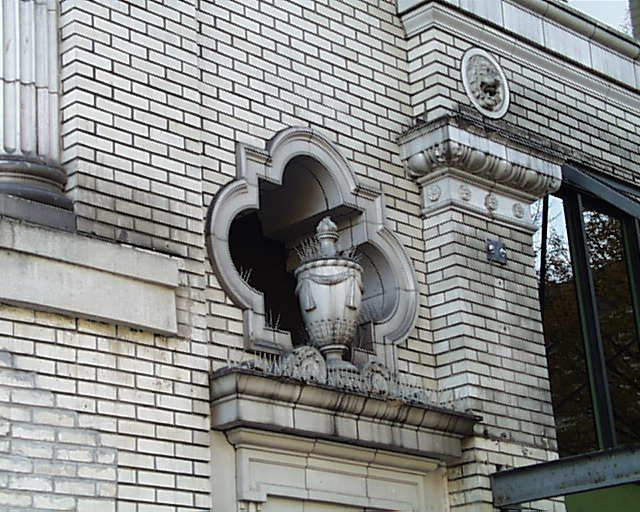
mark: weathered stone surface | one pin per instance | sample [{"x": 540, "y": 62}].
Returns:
[
  {"x": 157, "y": 105},
  {"x": 246, "y": 398},
  {"x": 74, "y": 275}
]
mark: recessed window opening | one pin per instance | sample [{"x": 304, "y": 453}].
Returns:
[
  {"x": 256, "y": 222},
  {"x": 590, "y": 300}
]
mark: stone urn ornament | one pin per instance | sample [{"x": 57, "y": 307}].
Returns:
[{"x": 329, "y": 291}]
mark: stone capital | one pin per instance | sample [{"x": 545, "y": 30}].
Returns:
[
  {"x": 478, "y": 172},
  {"x": 426, "y": 152}
]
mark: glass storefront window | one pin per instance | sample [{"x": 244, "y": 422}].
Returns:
[
  {"x": 568, "y": 373},
  {"x": 616, "y": 317},
  {"x": 589, "y": 256}
]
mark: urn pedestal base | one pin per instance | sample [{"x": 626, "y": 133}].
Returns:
[{"x": 333, "y": 356}]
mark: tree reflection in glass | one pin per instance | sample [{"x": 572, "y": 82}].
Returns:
[
  {"x": 616, "y": 316},
  {"x": 570, "y": 390}
]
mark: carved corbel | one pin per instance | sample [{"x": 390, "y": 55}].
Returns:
[
  {"x": 495, "y": 169},
  {"x": 476, "y": 171}
]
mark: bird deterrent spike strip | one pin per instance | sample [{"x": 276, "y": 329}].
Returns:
[{"x": 398, "y": 386}]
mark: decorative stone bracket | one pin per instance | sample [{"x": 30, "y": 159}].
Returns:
[{"x": 472, "y": 171}]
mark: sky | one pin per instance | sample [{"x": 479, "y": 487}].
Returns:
[{"x": 611, "y": 12}]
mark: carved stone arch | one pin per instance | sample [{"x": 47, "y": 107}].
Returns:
[{"x": 268, "y": 182}]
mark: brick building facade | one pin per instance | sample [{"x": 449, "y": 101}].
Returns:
[{"x": 123, "y": 316}]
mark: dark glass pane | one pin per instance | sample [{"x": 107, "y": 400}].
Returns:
[
  {"x": 570, "y": 390},
  {"x": 617, "y": 320}
]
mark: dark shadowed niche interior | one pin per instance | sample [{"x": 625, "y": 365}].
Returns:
[{"x": 262, "y": 263}]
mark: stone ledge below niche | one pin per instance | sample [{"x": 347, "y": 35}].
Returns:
[
  {"x": 70, "y": 274},
  {"x": 247, "y": 398}
]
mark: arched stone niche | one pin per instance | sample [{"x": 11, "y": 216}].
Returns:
[{"x": 299, "y": 178}]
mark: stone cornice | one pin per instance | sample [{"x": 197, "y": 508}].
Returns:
[
  {"x": 243, "y": 397},
  {"x": 569, "y": 18},
  {"x": 428, "y": 150},
  {"x": 255, "y": 465},
  {"x": 489, "y": 167}
]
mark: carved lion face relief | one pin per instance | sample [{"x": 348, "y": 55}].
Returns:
[{"x": 485, "y": 83}]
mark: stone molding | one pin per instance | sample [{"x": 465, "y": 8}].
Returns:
[
  {"x": 492, "y": 168},
  {"x": 469, "y": 170},
  {"x": 524, "y": 31},
  {"x": 306, "y": 364},
  {"x": 434, "y": 148},
  {"x": 245, "y": 397},
  {"x": 269, "y": 465},
  {"x": 344, "y": 192},
  {"x": 78, "y": 276},
  {"x": 544, "y": 19}
]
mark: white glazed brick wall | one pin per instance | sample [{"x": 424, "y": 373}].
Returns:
[
  {"x": 485, "y": 318},
  {"x": 489, "y": 348},
  {"x": 487, "y": 335},
  {"x": 339, "y": 67},
  {"x": 150, "y": 124},
  {"x": 132, "y": 148},
  {"x": 131, "y": 121},
  {"x": 48, "y": 460},
  {"x": 138, "y": 398},
  {"x": 601, "y": 129},
  {"x": 155, "y": 97}
]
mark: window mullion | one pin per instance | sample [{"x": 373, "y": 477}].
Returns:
[
  {"x": 631, "y": 238},
  {"x": 589, "y": 320}
]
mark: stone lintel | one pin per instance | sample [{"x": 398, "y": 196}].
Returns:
[
  {"x": 73, "y": 275},
  {"x": 264, "y": 466},
  {"x": 247, "y": 398}
]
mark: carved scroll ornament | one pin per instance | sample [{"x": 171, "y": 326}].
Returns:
[{"x": 450, "y": 154}]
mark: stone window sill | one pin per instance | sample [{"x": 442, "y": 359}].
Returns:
[{"x": 244, "y": 397}]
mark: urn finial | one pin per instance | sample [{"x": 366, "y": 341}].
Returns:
[
  {"x": 327, "y": 235},
  {"x": 330, "y": 293}
]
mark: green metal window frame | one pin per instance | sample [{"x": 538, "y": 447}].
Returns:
[
  {"x": 612, "y": 465},
  {"x": 577, "y": 184}
]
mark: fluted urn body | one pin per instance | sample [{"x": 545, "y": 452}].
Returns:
[{"x": 330, "y": 294}]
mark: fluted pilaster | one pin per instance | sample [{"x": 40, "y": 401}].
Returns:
[
  {"x": 634, "y": 8},
  {"x": 29, "y": 97}
]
